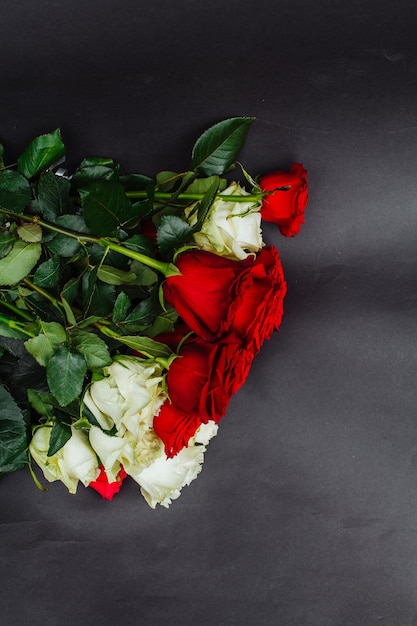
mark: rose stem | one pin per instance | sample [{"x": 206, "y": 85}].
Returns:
[{"x": 168, "y": 269}]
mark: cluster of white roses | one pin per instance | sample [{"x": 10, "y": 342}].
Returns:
[
  {"x": 127, "y": 399},
  {"x": 125, "y": 402}
]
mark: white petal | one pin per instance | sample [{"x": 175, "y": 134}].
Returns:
[
  {"x": 109, "y": 450},
  {"x": 163, "y": 480},
  {"x": 205, "y": 432},
  {"x": 79, "y": 460},
  {"x": 105, "y": 403}
]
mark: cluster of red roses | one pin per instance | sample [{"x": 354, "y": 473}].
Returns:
[{"x": 231, "y": 307}]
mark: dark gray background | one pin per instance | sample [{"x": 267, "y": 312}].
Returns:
[{"x": 305, "y": 513}]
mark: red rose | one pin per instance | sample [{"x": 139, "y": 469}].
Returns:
[
  {"x": 175, "y": 427},
  {"x": 200, "y": 384},
  {"x": 206, "y": 374},
  {"x": 203, "y": 292},
  {"x": 285, "y": 208},
  {"x": 259, "y": 309},
  {"x": 216, "y": 296},
  {"x": 106, "y": 489}
]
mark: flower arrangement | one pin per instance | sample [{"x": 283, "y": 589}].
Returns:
[{"x": 131, "y": 309}]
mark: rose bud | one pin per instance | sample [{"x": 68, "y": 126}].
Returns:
[{"x": 285, "y": 208}]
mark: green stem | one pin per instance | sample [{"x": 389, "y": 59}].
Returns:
[
  {"x": 165, "y": 362},
  {"x": 35, "y": 219},
  {"x": 12, "y": 307},
  {"x": 45, "y": 294},
  {"x": 14, "y": 325},
  {"x": 159, "y": 195},
  {"x": 107, "y": 331},
  {"x": 34, "y": 477},
  {"x": 168, "y": 269}
]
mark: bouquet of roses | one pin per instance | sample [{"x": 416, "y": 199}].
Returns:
[{"x": 131, "y": 309}]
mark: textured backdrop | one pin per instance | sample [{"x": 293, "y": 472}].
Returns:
[{"x": 305, "y": 513}]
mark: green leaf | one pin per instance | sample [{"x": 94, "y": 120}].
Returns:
[
  {"x": 89, "y": 416},
  {"x": 94, "y": 172},
  {"x": 146, "y": 346},
  {"x": 1, "y": 155},
  {"x": 82, "y": 424},
  {"x": 140, "y": 208},
  {"x": 138, "y": 182},
  {"x": 53, "y": 195},
  {"x": 97, "y": 161},
  {"x": 44, "y": 403},
  {"x": 141, "y": 244},
  {"x": 121, "y": 307},
  {"x": 113, "y": 276},
  {"x": 172, "y": 232},
  {"x": 6, "y": 243},
  {"x": 218, "y": 147},
  {"x": 6, "y": 331},
  {"x": 60, "y": 434},
  {"x": 65, "y": 375},
  {"x": 98, "y": 255},
  {"x": 166, "y": 180},
  {"x": 40, "y": 349},
  {"x": 43, "y": 308},
  {"x": 201, "y": 185},
  {"x": 13, "y": 434},
  {"x": 160, "y": 325},
  {"x": 15, "y": 193},
  {"x": 19, "y": 262},
  {"x": 145, "y": 276},
  {"x": 88, "y": 285},
  {"x": 31, "y": 233},
  {"x": 205, "y": 203},
  {"x": 64, "y": 245},
  {"x": 47, "y": 274},
  {"x": 43, "y": 346},
  {"x": 93, "y": 168},
  {"x": 98, "y": 298},
  {"x": 105, "y": 206},
  {"x": 40, "y": 402},
  {"x": 88, "y": 321},
  {"x": 103, "y": 299},
  {"x": 69, "y": 313},
  {"x": 70, "y": 290},
  {"x": 164, "y": 322},
  {"x": 144, "y": 313},
  {"x": 41, "y": 153},
  {"x": 93, "y": 349}
]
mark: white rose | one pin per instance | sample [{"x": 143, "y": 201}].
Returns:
[
  {"x": 162, "y": 481},
  {"x": 103, "y": 399},
  {"x": 74, "y": 462},
  {"x": 134, "y": 453},
  {"x": 129, "y": 397},
  {"x": 109, "y": 450},
  {"x": 231, "y": 229},
  {"x": 143, "y": 451}
]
